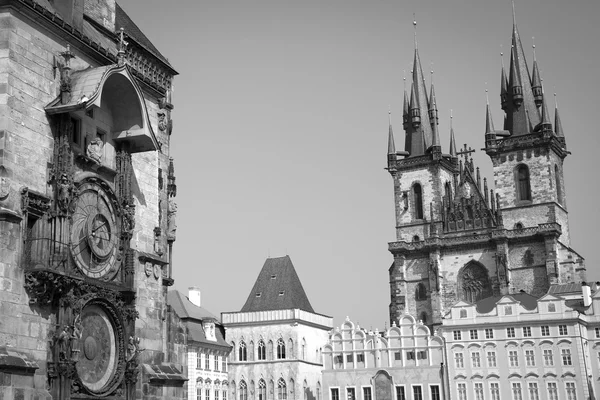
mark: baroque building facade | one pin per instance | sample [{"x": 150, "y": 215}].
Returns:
[
  {"x": 404, "y": 362},
  {"x": 207, "y": 350},
  {"x": 277, "y": 339},
  {"x": 457, "y": 239},
  {"x": 87, "y": 211},
  {"x": 519, "y": 346}
]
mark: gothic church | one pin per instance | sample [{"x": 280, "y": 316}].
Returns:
[{"x": 457, "y": 239}]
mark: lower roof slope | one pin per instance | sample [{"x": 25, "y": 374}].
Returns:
[{"x": 277, "y": 288}]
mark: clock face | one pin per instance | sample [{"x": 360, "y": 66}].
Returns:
[{"x": 94, "y": 232}]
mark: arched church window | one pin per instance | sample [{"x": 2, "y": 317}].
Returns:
[
  {"x": 418, "y": 199},
  {"x": 280, "y": 349},
  {"x": 243, "y": 352},
  {"x": 558, "y": 187},
  {"x": 281, "y": 390},
  {"x": 262, "y": 351},
  {"x": 420, "y": 292},
  {"x": 523, "y": 184},
  {"x": 474, "y": 283},
  {"x": 243, "y": 391},
  {"x": 262, "y": 390},
  {"x": 424, "y": 317},
  {"x": 448, "y": 191},
  {"x": 416, "y": 238}
]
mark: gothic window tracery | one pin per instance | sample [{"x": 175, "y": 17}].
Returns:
[
  {"x": 474, "y": 283},
  {"x": 281, "y": 390},
  {"x": 243, "y": 352},
  {"x": 262, "y": 353}
]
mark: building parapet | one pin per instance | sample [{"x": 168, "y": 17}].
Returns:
[{"x": 230, "y": 318}]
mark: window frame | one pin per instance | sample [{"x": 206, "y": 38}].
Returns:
[
  {"x": 418, "y": 212},
  {"x": 523, "y": 183}
]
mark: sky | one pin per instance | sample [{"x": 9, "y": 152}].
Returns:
[{"x": 281, "y": 123}]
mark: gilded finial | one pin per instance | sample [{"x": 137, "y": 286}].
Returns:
[
  {"x": 502, "y": 56},
  {"x": 451, "y": 118},
  {"x": 533, "y": 46},
  {"x": 555, "y": 99},
  {"x": 487, "y": 98},
  {"x": 432, "y": 73},
  {"x": 415, "y": 27}
]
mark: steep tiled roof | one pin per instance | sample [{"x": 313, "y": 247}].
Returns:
[
  {"x": 122, "y": 20},
  {"x": 526, "y": 300},
  {"x": 185, "y": 309},
  {"x": 277, "y": 288}
]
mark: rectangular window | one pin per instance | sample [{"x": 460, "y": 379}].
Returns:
[
  {"x": 571, "y": 391},
  {"x": 367, "y": 393},
  {"x": 207, "y": 362},
  {"x": 349, "y": 358},
  {"x": 207, "y": 394},
  {"x": 478, "y": 391},
  {"x": 457, "y": 335},
  {"x": 223, "y": 365},
  {"x": 597, "y": 330},
  {"x": 489, "y": 333},
  {"x": 199, "y": 361},
  {"x": 548, "y": 359},
  {"x": 417, "y": 392},
  {"x": 529, "y": 358},
  {"x": 566, "y": 356},
  {"x": 473, "y": 334},
  {"x": 350, "y": 394},
  {"x": 360, "y": 357},
  {"x": 513, "y": 358},
  {"x": 422, "y": 355},
  {"x": 552, "y": 391},
  {"x": 495, "y": 391},
  {"x": 533, "y": 391},
  {"x": 545, "y": 330},
  {"x": 75, "y": 131},
  {"x": 435, "y": 392},
  {"x": 224, "y": 394},
  {"x": 398, "y": 355},
  {"x": 216, "y": 364},
  {"x": 526, "y": 331},
  {"x": 516, "y": 391},
  {"x": 562, "y": 330},
  {"x": 335, "y": 394},
  {"x": 459, "y": 361},
  {"x": 216, "y": 394},
  {"x": 475, "y": 359},
  {"x": 462, "y": 391},
  {"x": 400, "y": 393},
  {"x": 491, "y": 359},
  {"x": 410, "y": 355},
  {"x": 510, "y": 332}
]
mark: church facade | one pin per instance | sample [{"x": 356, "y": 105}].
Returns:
[
  {"x": 456, "y": 237},
  {"x": 87, "y": 211}
]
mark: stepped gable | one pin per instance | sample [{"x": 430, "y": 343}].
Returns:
[{"x": 277, "y": 288}]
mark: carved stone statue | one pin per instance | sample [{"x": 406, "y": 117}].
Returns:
[
  {"x": 162, "y": 120},
  {"x": 128, "y": 218},
  {"x": 133, "y": 351},
  {"x": 65, "y": 193},
  {"x": 64, "y": 345},
  {"x": 172, "y": 220},
  {"x": 94, "y": 149}
]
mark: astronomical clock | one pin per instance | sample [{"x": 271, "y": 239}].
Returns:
[{"x": 79, "y": 256}]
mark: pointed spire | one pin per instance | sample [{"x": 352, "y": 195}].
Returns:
[
  {"x": 452, "y": 139},
  {"x": 489, "y": 124},
  {"x": 503, "y": 85},
  {"x": 557, "y": 124},
  {"x": 391, "y": 144},
  {"x": 545, "y": 125},
  {"x": 516, "y": 89},
  {"x": 536, "y": 82},
  {"x": 490, "y": 132},
  {"x": 415, "y": 110},
  {"x": 405, "y": 109}
]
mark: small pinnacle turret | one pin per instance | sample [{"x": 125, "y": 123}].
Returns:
[
  {"x": 503, "y": 86},
  {"x": 391, "y": 144},
  {"x": 452, "y": 149},
  {"x": 557, "y": 124}
]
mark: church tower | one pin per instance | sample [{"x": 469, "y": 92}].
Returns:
[{"x": 456, "y": 239}]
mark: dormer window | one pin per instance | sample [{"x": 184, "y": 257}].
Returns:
[
  {"x": 209, "y": 330},
  {"x": 273, "y": 276},
  {"x": 507, "y": 310},
  {"x": 463, "y": 313},
  {"x": 258, "y": 294},
  {"x": 281, "y": 292},
  {"x": 551, "y": 307}
]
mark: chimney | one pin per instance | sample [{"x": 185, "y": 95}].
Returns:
[
  {"x": 587, "y": 294},
  {"x": 71, "y": 12},
  {"x": 194, "y": 295}
]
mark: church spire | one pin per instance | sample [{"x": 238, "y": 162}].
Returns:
[
  {"x": 557, "y": 124},
  {"x": 503, "y": 85},
  {"x": 433, "y": 117},
  {"x": 490, "y": 132},
  {"x": 405, "y": 109},
  {"x": 452, "y": 139},
  {"x": 545, "y": 125},
  {"x": 391, "y": 144},
  {"x": 536, "y": 81}
]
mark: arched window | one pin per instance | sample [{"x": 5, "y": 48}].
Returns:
[
  {"x": 243, "y": 352},
  {"x": 243, "y": 391},
  {"x": 262, "y": 390},
  {"x": 292, "y": 386},
  {"x": 199, "y": 384},
  {"x": 424, "y": 317},
  {"x": 281, "y": 390},
  {"x": 418, "y": 199},
  {"x": 280, "y": 349},
  {"x": 262, "y": 351},
  {"x": 303, "y": 349},
  {"x": 558, "y": 187},
  {"x": 251, "y": 351},
  {"x": 473, "y": 282},
  {"x": 420, "y": 292},
  {"x": 290, "y": 349},
  {"x": 448, "y": 192},
  {"x": 232, "y": 354},
  {"x": 523, "y": 186},
  {"x": 416, "y": 238}
]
